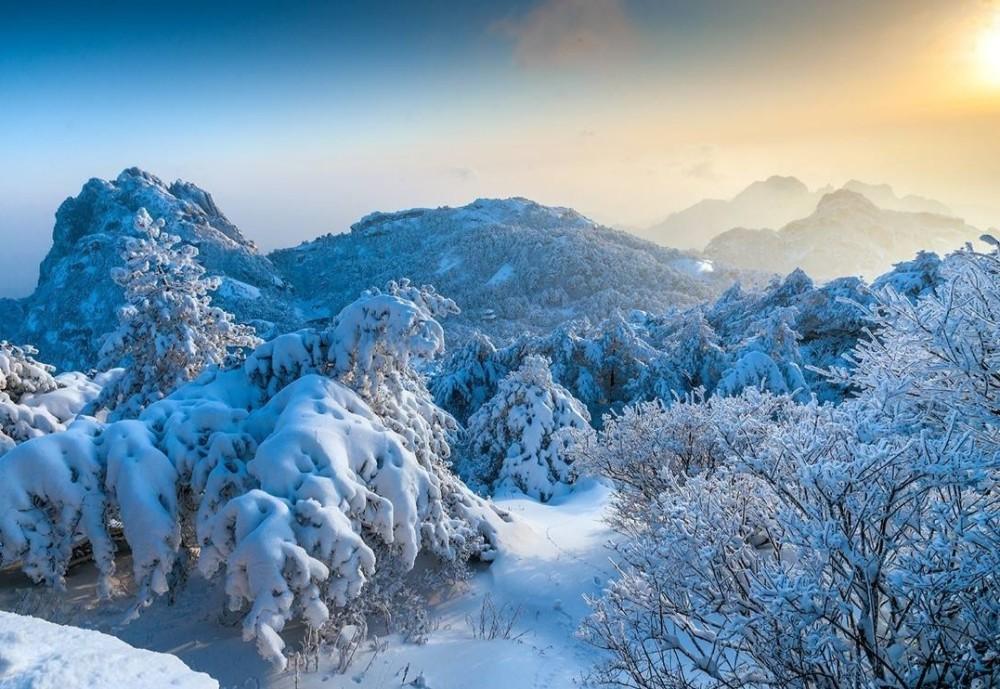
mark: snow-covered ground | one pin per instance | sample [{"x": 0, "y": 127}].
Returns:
[
  {"x": 35, "y": 654},
  {"x": 551, "y": 555}
]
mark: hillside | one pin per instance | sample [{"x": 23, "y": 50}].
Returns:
[
  {"x": 847, "y": 234},
  {"x": 512, "y": 265},
  {"x": 766, "y": 203},
  {"x": 771, "y": 203}
]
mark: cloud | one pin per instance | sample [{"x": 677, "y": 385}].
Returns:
[{"x": 570, "y": 33}]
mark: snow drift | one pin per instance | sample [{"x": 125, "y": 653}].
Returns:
[{"x": 35, "y": 654}]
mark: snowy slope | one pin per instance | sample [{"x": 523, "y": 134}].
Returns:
[
  {"x": 550, "y": 556},
  {"x": 35, "y": 654},
  {"x": 511, "y": 264}
]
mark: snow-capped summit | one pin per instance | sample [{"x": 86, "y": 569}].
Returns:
[
  {"x": 513, "y": 265},
  {"x": 510, "y": 211},
  {"x": 75, "y": 301}
]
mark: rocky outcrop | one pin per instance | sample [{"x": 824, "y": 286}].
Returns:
[{"x": 76, "y": 302}]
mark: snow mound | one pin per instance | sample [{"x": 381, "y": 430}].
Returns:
[{"x": 35, "y": 654}]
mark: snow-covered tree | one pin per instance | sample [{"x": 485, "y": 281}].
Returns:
[
  {"x": 523, "y": 436},
  {"x": 426, "y": 297},
  {"x": 853, "y": 545},
  {"x": 315, "y": 472},
  {"x": 769, "y": 360},
  {"x": 21, "y": 376},
  {"x": 168, "y": 329},
  {"x": 469, "y": 377}
]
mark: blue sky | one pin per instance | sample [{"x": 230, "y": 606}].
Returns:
[{"x": 300, "y": 117}]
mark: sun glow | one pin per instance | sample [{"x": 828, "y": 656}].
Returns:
[{"x": 989, "y": 52}]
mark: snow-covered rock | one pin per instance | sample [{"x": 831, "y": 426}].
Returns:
[
  {"x": 512, "y": 264},
  {"x": 76, "y": 300},
  {"x": 35, "y": 654}
]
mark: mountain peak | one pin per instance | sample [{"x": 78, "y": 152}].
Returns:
[
  {"x": 844, "y": 199},
  {"x": 775, "y": 184},
  {"x": 511, "y": 211}
]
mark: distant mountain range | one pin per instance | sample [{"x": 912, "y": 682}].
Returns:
[
  {"x": 513, "y": 265},
  {"x": 847, "y": 234},
  {"x": 771, "y": 203},
  {"x": 779, "y": 224}
]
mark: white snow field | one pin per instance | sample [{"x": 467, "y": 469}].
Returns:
[
  {"x": 35, "y": 654},
  {"x": 550, "y": 556}
]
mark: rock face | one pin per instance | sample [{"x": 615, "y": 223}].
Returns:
[
  {"x": 846, "y": 235},
  {"x": 76, "y": 302},
  {"x": 513, "y": 265}
]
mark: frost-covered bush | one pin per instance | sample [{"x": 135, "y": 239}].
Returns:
[
  {"x": 523, "y": 436},
  {"x": 168, "y": 331},
  {"x": 33, "y": 402},
  {"x": 317, "y": 468},
  {"x": 853, "y": 545},
  {"x": 770, "y": 339},
  {"x": 470, "y": 377},
  {"x": 651, "y": 448}
]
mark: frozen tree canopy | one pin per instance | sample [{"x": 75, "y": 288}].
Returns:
[
  {"x": 820, "y": 545},
  {"x": 301, "y": 472},
  {"x": 33, "y": 402},
  {"x": 523, "y": 436},
  {"x": 168, "y": 330}
]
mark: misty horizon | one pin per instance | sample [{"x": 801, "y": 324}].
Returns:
[
  {"x": 301, "y": 120},
  {"x": 21, "y": 267}
]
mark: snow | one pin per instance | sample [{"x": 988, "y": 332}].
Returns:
[
  {"x": 550, "y": 556},
  {"x": 503, "y": 274},
  {"x": 231, "y": 288},
  {"x": 447, "y": 262},
  {"x": 35, "y": 654}
]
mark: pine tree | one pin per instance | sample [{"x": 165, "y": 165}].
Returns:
[
  {"x": 168, "y": 329},
  {"x": 522, "y": 436}
]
